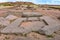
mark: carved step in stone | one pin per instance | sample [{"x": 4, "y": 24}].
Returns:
[
  {"x": 31, "y": 14},
  {"x": 33, "y": 19}
]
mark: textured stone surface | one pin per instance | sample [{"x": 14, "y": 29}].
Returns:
[
  {"x": 13, "y": 27},
  {"x": 49, "y": 30},
  {"x": 18, "y": 27},
  {"x": 52, "y": 26},
  {"x": 37, "y": 25},
  {"x": 33, "y": 26},
  {"x": 33, "y": 18},
  {"x": 4, "y": 22},
  {"x": 11, "y": 17},
  {"x": 49, "y": 20},
  {"x": 31, "y": 14},
  {"x": 57, "y": 37}
]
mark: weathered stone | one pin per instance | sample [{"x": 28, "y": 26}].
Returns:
[
  {"x": 13, "y": 27},
  {"x": 33, "y": 26},
  {"x": 37, "y": 25},
  {"x": 33, "y": 19},
  {"x": 4, "y": 22},
  {"x": 11, "y": 17},
  {"x": 49, "y": 20},
  {"x": 49, "y": 30},
  {"x": 31, "y": 14},
  {"x": 52, "y": 26},
  {"x": 57, "y": 37}
]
